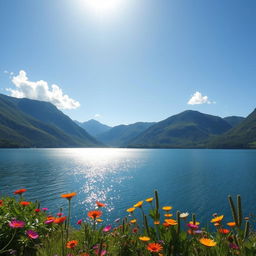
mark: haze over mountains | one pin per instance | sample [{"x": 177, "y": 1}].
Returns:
[{"x": 31, "y": 123}]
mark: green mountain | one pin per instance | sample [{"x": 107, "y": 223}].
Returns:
[
  {"x": 241, "y": 136},
  {"x": 93, "y": 127},
  {"x": 31, "y": 123},
  {"x": 189, "y": 129},
  {"x": 120, "y": 135},
  {"x": 234, "y": 120}
]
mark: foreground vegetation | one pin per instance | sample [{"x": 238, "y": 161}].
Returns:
[{"x": 146, "y": 229}]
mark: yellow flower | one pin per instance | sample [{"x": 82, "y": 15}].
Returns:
[
  {"x": 168, "y": 215},
  {"x": 167, "y": 208},
  {"x": 99, "y": 220},
  {"x": 133, "y": 221},
  {"x": 144, "y": 238},
  {"x": 171, "y": 222},
  {"x": 130, "y": 210},
  {"x": 149, "y": 200},
  {"x": 217, "y": 219},
  {"x": 139, "y": 204},
  {"x": 196, "y": 223},
  {"x": 207, "y": 242}
]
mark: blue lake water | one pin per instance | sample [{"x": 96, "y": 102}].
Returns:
[{"x": 190, "y": 180}]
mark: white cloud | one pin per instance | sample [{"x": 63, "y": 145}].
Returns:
[
  {"x": 40, "y": 90},
  {"x": 198, "y": 98},
  {"x": 97, "y": 115}
]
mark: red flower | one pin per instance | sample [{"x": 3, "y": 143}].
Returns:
[
  {"x": 71, "y": 244},
  {"x": 94, "y": 214},
  {"x": 20, "y": 191},
  {"x": 60, "y": 220},
  {"x": 154, "y": 247},
  {"x": 1, "y": 203},
  {"x": 24, "y": 203},
  {"x": 37, "y": 210},
  {"x": 99, "y": 204}
]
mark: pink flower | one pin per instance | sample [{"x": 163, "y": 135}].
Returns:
[
  {"x": 233, "y": 246},
  {"x": 32, "y": 234},
  {"x": 59, "y": 214},
  {"x": 49, "y": 221},
  {"x": 17, "y": 224},
  {"x": 45, "y": 209},
  {"x": 107, "y": 228},
  {"x": 192, "y": 226},
  {"x": 79, "y": 222}
]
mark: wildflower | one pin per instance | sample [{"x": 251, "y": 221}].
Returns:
[
  {"x": 130, "y": 210},
  {"x": 168, "y": 215},
  {"x": 50, "y": 218},
  {"x": 231, "y": 224},
  {"x": 71, "y": 244},
  {"x": 1, "y": 203},
  {"x": 216, "y": 224},
  {"x": 154, "y": 247},
  {"x": 133, "y": 221},
  {"x": 59, "y": 214},
  {"x": 157, "y": 222},
  {"x": 94, "y": 214},
  {"x": 139, "y": 204},
  {"x": 117, "y": 220},
  {"x": 149, "y": 200},
  {"x": 135, "y": 230},
  {"x": 223, "y": 231},
  {"x": 184, "y": 215},
  {"x": 207, "y": 242},
  {"x": 171, "y": 222},
  {"x": 17, "y": 224},
  {"x": 45, "y": 209},
  {"x": 234, "y": 246},
  {"x": 79, "y": 222},
  {"x": 167, "y": 208},
  {"x": 60, "y": 220},
  {"x": 24, "y": 203},
  {"x": 99, "y": 220},
  {"x": 19, "y": 191},
  {"x": 196, "y": 223},
  {"x": 69, "y": 196},
  {"x": 192, "y": 226},
  {"x": 144, "y": 238},
  {"x": 37, "y": 210},
  {"x": 99, "y": 204},
  {"x": 107, "y": 228},
  {"x": 49, "y": 221},
  {"x": 32, "y": 234},
  {"x": 217, "y": 219}
]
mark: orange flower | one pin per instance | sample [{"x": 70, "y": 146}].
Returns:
[
  {"x": 157, "y": 222},
  {"x": 50, "y": 218},
  {"x": 207, "y": 242},
  {"x": 72, "y": 244},
  {"x": 196, "y": 223},
  {"x": 133, "y": 221},
  {"x": 223, "y": 231},
  {"x": 154, "y": 247},
  {"x": 231, "y": 224},
  {"x": 99, "y": 204},
  {"x": 24, "y": 203},
  {"x": 171, "y": 222},
  {"x": 69, "y": 196},
  {"x": 217, "y": 219},
  {"x": 19, "y": 191},
  {"x": 1, "y": 203},
  {"x": 168, "y": 215},
  {"x": 60, "y": 220},
  {"x": 99, "y": 220},
  {"x": 139, "y": 204},
  {"x": 149, "y": 200},
  {"x": 94, "y": 214},
  {"x": 166, "y": 224},
  {"x": 167, "y": 208},
  {"x": 130, "y": 210}
]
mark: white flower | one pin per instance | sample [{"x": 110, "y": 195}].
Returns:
[{"x": 184, "y": 215}]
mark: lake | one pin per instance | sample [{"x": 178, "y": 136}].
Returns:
[{"x": 193, "y": 180}]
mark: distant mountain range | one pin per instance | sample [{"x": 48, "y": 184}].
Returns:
[
  {"x": 32, "y": 123},
  {"x": 94, "y": 127}
]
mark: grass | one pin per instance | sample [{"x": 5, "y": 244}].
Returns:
[{"x": 145, "y": 229}]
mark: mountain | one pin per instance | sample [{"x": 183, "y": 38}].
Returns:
[
  {"x": 32, "y": 123},
  {"x": 94, "y": 127},
  {"x": 189, "y": 129},
  {"x": 241, "y": 136},
  {"x": 234, "y": 120},
  {"x": 120, "y": 135}
]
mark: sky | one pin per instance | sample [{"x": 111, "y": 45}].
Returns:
[{"x": 124, "y": 61}]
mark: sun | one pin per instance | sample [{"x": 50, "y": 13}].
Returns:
[{"x": 103, "y": 7}]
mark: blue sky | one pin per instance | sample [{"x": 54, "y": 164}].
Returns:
[{"x": 134, "y": 60}]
